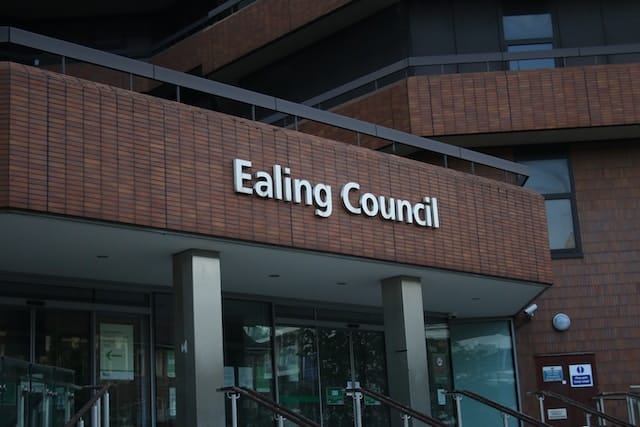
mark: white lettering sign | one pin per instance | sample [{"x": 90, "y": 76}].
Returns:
[{"x": 278, "y": 184}]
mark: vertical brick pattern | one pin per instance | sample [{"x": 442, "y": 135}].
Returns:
[
  {"x": 88, "y": 150},
  {"x": 509, "y": 101},
  {"x": 600, "y": 291},
  {"x": 4, "y": 134}
]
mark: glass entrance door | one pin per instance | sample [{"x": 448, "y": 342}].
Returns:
[
  {"x": 122, "y": 360},
  {"x": 315, "y": 364}
]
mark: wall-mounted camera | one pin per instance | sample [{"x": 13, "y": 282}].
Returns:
[{"x": 530, "y": 310}]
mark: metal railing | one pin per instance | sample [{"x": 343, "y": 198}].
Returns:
[
  {"x": 99, "y": 407},
  {"x": 35, "y": 395},
  {"x": 588, "y": 411},
  {"x": 631, "y": 399},
  {"x": 441, "y": 64},
  {"x": 255, "y": 100},
  {"x": 505, "y": 410},
  {"x": 280, "y": 412},
  {"x": 407, "y": 413}
]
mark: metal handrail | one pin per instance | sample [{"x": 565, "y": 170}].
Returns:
[
  {"x": 582, "y": 407},
  {"x": 87, "y": 406},
  {"x": 495, "y": 405},
  {"x": 628, "y": 397},
  {"x": 617, "y": 395},
  {"x": 397, "y": 406},
  {"x": 271, "y": 405},
  {"x": 179, "y": 79}
]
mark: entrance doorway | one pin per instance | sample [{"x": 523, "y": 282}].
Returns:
[
  {"x": 572, "y": 375},
  {"x": 314, "y": 365},
  {"x": 55, "y": 345}
]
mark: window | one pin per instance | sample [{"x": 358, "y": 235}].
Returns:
[
  {"x": 528, "y": 32},
  {"x": 552, "y": 178}
]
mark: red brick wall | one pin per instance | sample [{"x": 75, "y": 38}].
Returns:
[
  {"x": 4, "y": 136},
  {"x": 506, "y": 101},
  {"x": 84, "y": 149},
  {"x": 509, "y": 101},
  {"x": 601, "y": 290},
  {"x": 251, "y": 28}
]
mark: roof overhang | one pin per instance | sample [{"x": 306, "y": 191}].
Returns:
[{"x": 83, "y": 253}]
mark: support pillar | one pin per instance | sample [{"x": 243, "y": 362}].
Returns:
[
  {"x": 199, "y": 353},
  {"x": 405, "y": 343}
]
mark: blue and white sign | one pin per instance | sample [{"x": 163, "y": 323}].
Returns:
[
  {"x": 552, "y": 374},
  {"x": 581, "y": 375}
]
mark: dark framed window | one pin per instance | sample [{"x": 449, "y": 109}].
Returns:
[
  {"x": 525, "y": 31},
  {"x": 552, "y": 178}
]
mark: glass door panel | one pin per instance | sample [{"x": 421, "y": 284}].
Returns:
[
  {"x": 482, "y": 355},
  {"x": 14, "y": 332},
  {"x": 440, "y": 380},
  {"x": 297, "y": 362},
  {"x": 314, "y": 365},
  {"x": 122, "y": 358},
  {"x": 371, "y": 372},
  {"x": 247, "y": 357},
  {"x": 335, "y": 370},
  {"x": 14, "y": 344},
  {"x": 63, "y": 340}
]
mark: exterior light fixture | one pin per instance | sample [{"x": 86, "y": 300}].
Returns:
[{"x": 561, "y": 322}]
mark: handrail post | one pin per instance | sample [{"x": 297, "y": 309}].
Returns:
[
  {"x": 631, "y": 414},
  {"x": 505, "y": 419},
  {"x": 234, "y": 407},
  {"x": 458, "y": 398},
  {"x": 46, "y": 398},
  {"x": 95, "y": 414},
  {"x": 540, "y": 398},
  {"x": 105, "y": 409},
  {"x": 357, "y": 396},
  {"x": 600, "y": 406}
]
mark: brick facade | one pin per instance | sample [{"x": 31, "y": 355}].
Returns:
[
  {"x": 264, "y": 22},
  {"x": 600, "y": 291},
  {"x": 506, "y": 101},
  {"x": 82, "y": 149}
]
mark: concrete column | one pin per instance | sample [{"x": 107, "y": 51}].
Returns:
[
  {"x": 199, "y": 354},
  {"x": 405, "y": 343}
]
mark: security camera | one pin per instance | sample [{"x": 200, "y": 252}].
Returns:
[{"x": 530, "y": 310}]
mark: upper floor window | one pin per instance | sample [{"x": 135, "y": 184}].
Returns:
[
  {"x": 552, "y": 178},
  {"x": 528, "y": 32}
]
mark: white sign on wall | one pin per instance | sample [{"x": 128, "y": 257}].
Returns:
[
  {"x": 581, "y": 375},
  {"x": 557, "y": 413}
]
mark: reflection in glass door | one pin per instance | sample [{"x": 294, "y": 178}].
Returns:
[
  {"x": 335, "y": 370},
  {"x": 297, "y": 362},
  {"x": 62, "y": 339},
  {"x": 440, "y": 378},
  {"x": 315, "y": 364}
]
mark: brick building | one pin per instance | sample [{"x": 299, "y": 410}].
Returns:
[{"x": 286, "y": 196}]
